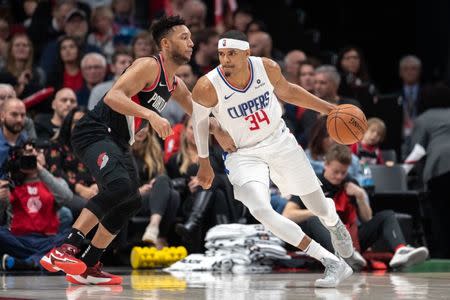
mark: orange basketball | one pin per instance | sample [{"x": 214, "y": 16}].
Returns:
[{"x": 346, "y": 124}]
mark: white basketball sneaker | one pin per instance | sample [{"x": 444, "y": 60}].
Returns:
[
  {"x": 356, "y": 261},
  {"x": 335, "y": 273},
  {"x": 408, "y": 256},
  {"x": 341, "y": 239}
]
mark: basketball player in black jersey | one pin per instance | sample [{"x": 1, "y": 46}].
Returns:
[{"x": 102, "y": 140}]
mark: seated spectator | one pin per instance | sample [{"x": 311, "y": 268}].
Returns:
[
  {"x": 66, "y": 71},
  {"x": 4, "y": 40},
  {"x": 205, "y": 56},
  {"x": 143, "y": 45},
  {"x": 47, "y": 126},
  {"x": 160, "y": 200},
  {"x": 300, "y": 119},
  {"x": 356, "y": 83},
  {"x": 8, "y": 92},
  {"x": 120, "y": 61},
  {"x": 352, "y": 206},
  {"x": 173, "y": 112},
  {"x": 12, "y": 133},
  {"x": 123, "y": 12},
  {"x": 261, "y": 45},
  {"x": 19, "y": 70},
  {"x": 326, "y": 84},
  {"x": 242, "y": 17},
  {"x": 255, "y": 26},
  {"x": 102, "y": 21},
  {"x": 47, "y": 22},
  {"x": 292, "y": 62},
  {"x": 197, "y": 208},
  {"x": 34, "y": 227},
  {"x": 76, "y": 26},
  {"x": 93, "y": 68},
  {"x": 368, "y": 149},
  {"x": 62, "y": 162},
  {"x": 319, "y": 144},
  {"x": 194, "y": 14}
]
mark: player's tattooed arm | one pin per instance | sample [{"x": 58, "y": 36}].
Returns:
[{"x": 293, "y": 93}]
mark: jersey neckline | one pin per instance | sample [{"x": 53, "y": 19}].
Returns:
[{"x": 250, "y": 81}]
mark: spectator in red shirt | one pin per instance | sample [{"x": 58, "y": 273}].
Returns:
[
  {"x": 368, "y": 149},
  {"x": 67, "y": 70},
  {"x": 34, "y": 227}
]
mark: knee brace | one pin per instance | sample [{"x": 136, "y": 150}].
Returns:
[
  {"x": 119, "y": 215},
  {"x": 114, "y": 194}
]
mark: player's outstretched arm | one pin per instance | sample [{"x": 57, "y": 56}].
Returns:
[
  {"x": 204, "y": 99},
  {"x": 293, "y": 93},
  {"x": 142, "y": 72}
]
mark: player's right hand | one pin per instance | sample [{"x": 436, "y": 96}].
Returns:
[
  {"x": 160, "y": 125},
  {"x": 205, "y": 174}
]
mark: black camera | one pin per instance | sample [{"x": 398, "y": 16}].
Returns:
[{"x": 27, "y": 162}]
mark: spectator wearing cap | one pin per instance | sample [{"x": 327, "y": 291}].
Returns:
[
  {"x": 76, "y": 26},
  {"x": 47, "y": 22},
  {"x": 93, "y": 68}
]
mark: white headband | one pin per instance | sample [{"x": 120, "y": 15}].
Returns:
[{"x": 232, "y": 43}]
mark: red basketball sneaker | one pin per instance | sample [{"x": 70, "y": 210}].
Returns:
[
  {"x": 95, "y": 275},
  {"x": 63, "y": 259}
]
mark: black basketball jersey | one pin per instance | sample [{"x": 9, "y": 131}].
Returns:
[{"x": 154, "y": 97}]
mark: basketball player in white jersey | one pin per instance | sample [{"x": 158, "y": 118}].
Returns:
[{"x": 242, "y": 93}]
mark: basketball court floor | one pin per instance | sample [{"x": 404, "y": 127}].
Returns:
[{"x": 202, "y": 285}]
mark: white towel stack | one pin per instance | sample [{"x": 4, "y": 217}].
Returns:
[{"x": 235, "y": 248}]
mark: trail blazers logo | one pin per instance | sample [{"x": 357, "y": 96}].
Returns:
[{"x": 102, "y": 160}]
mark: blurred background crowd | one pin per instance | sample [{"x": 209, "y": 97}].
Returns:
[{"x": 58, "y": 58}]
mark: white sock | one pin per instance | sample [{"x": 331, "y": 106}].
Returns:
[{"x": 318, "y": 252}]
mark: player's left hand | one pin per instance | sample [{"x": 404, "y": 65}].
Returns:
[{"x": 353, "y": 190}]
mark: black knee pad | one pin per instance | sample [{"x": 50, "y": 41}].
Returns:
[
  {"x": 119, "y": 215},
  {"x": 115, "y": 192}
]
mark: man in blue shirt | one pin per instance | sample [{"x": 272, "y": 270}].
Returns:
[{"x": 12, "y": 131}]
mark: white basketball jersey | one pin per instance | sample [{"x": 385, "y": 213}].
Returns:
[{"x": 251, "y": 114}]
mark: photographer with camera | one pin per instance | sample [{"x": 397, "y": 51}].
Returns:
[{"x": 37, "y": 222}]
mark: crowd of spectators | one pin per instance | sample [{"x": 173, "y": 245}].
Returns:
[{"x": 73, "y": 51}]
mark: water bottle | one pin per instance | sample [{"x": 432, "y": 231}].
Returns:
[{"x": 367, "y": 180}]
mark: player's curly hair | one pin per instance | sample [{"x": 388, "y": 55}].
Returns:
[{"x": 163, "y": 26}]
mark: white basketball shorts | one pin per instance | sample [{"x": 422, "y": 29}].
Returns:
[{"x": 279, "y": 158}]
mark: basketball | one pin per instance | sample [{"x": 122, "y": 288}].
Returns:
[{"x": 346, "y": 124}]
